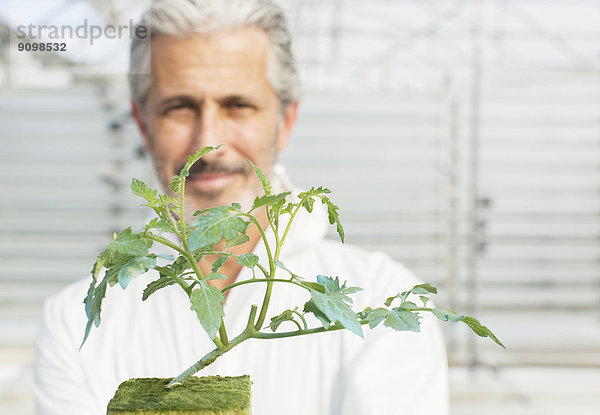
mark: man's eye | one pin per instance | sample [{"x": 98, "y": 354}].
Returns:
[{"x": 178, "y": 107}]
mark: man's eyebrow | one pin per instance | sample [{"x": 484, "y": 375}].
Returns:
[
  {"x": 235, "y": 99},
  {"x": 178, "y": 99}
]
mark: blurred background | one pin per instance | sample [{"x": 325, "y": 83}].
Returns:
[{"x": 460, "y": 137}]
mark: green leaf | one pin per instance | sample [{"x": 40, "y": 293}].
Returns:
[
  {"x": 248, "y": 260},
  {"x": 177, "y": 267},
  {"x": 314, "y": 192},
  {"x": 269, "y": 200},
  {"x": 334, "y": 217},
  {"x": 287, "y": 209},
  {"x": 141, "y": 189},
  {"x": 207, "y": 303},
  {"x": 424, "y": 299},
  {"x": 161, "y": 225},
  {"x": 402, "y": 320},
  {"x": 308, "y": 204},
  {"x": 283, "y": 267},
  {"x": 219, "y": 263},
  {"x": 129, "y": 243},
  {"x": 420, "y": 289},
  {"x": 310, "y": 307},
  {"x": 162, "y": 282},
  {"x": 332, "y": 286},
  {"x": 408, "y": 305},
  {"x": 93, "y": 305},
  {"x": 263, "y": 180},
  {"x": 312, "y": 286},
  {"x": 178, "y": 181},
  {"x": 333, "y": 305},
  {"x": 481, "y": 330},
  {"x": 424, "y": 289},
  {"x": 238, "y": 240},
  {"x": 211, "y": 228},
  {"x": 376, "y": 316},
  {"x": 215, "y": 276},
  {"x": 133, "y": 268},
  {"x": 446, "y": 315},
  {"x": 287, "y": 315}
]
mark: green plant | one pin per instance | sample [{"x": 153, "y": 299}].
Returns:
[{"x": 128, "y": 256}]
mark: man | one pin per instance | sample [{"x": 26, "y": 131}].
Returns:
[{"x": 221, "y": 72}]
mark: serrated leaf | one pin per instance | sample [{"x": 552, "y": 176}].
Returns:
[
  {"x": 446, "y": 315},
  {"x": 141, "y": 189},
  {"x": 314, "y": 192},
  {"x": 402, "y": 320},
  {"x": 419, "y": 289},
  {"x": 248, "y": 260},
  {"x": 178, "y": 181},
  {"x": 287, "y": 209},
  {"x": 211, "y": 228},
  {"x": 312, "y": 286},
  {"x": 215, "y": 276},
  {"x": 207, "y": 302},
  {"x": 424, "y": 289},
  {"x": 408, "y": 305},
  {"x": 337, "y": 310},
  {"x": 308, "y": 204},
  {"x": 269, "y": 200},
  {"x": 93, "y": 305},
  {"x": 481, "y": 330},
  {"x": 310, "y": 307},
  {"x": 156, "y": 285},
  {"x": 133, "y": 268},
  {"x": 161, "y": 225},
  {"x": 219, "y": 263},
  {"x": 263, "y": 180},
  {"x": 376, "y": 316},
  {"x": 283, "y": 267},
  {"x": 287, "y": 315},
  {"x": 332, "y": 286},
  {"x": 129, "y": 243},
  {"x": 238, "y": 240},
  {"x": 334, "y": 217}
]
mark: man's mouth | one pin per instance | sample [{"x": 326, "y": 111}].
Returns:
[{"x": 210, "y": 181}]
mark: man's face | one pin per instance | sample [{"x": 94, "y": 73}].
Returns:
[{"x": 208, "y": 90}]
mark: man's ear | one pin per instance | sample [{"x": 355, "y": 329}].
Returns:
[
  {"x": 289, "y": 119},
  {"x": 136, "y": 112}
]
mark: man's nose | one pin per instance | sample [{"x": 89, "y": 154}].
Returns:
[{"x": 208, "y": 130}]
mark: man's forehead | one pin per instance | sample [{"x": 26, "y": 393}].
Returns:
[{"x": 229, "y": 60}]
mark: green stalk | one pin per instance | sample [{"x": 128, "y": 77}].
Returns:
[
  {"x": 179, "y": 249},
  {"x": 249, "y": 332},
  {"x": 244, "y": 282},
  {"x": 287, "y": 228},
  {"x": 267, "y": 297}
]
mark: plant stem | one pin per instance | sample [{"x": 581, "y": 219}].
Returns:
[
  {"x": 333, "y": 327},
  {"x": 249, "y": 332},
  {"x": 223, "y": 334},
  {"x": 302, "y": 318},
  {"x": 287, "y": 228},
  {"x": 267, "y": 297},
  {"x": 179, "y": 249},
  {"x": 244, "y": 282}
]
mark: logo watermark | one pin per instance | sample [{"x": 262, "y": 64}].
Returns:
[
  {"x": 90, "y": 32},
  {"x": 51, "y": 35}
]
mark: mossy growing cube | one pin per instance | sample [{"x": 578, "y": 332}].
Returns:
[{"x": 210, "y": 395}]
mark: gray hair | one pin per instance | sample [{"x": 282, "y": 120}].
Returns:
[{"x": 187, "y": 17}]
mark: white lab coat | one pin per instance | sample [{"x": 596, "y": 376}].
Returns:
[{"x": 387, "y": 373}]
